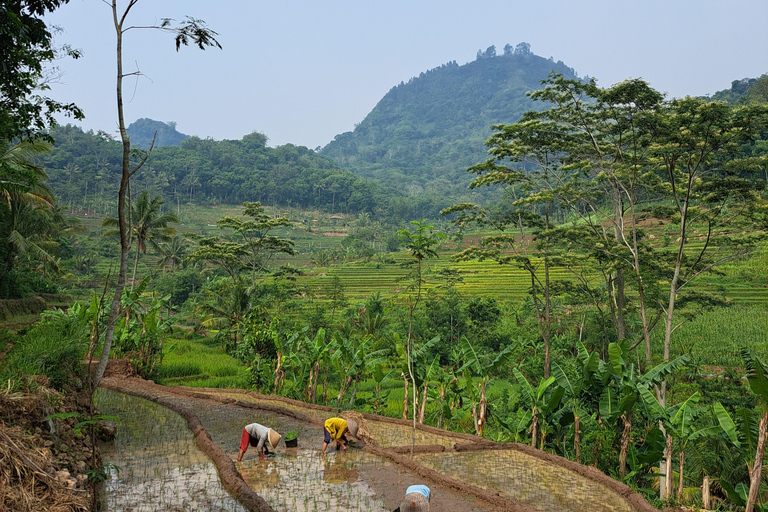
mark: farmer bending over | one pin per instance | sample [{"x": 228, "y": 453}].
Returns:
[
  {"x": 258, "y": 436},
  {"x": 335, "y": 429},
  {"x": 416, "y": 499}
]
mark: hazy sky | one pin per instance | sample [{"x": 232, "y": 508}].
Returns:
[{"x": 304, "y": 71}]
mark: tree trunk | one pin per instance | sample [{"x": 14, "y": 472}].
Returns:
[
  {"x": 482, "y": 409},
  {"x": 577, "y": 438},
  {"x": 474, "y": 418},
  {"x": 343, "y": 389},
  {"x": 680, "y": 477},
  {"x": 625, "y": 438},
  {"x": 668, "y": 475},
  {"x": 423, "y": 407},
  {"x": 405, "y": 398},
  {"x": 278, "y": 370},
  {"x": 705, "y": 494},
  {"x": 354, "y": 391},
  {"x": 317, "y": 381},
  {"x": 755, "y": 476},
  {"x": 621, "y": 306},
  {"x": 534, "y": 429},
  {"x": 114, "y": 309}
]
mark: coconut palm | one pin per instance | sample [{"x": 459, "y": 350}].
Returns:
[
  {"x": 225, "y": 308},
  {"x": 150, "y": 226},
  {"x": 28, "y": 218},
  {"x": 173, "y": 253}
]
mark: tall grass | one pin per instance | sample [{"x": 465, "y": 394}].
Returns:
[{"x": 53, "y": 348}]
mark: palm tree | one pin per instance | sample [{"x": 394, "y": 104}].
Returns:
[
  {"x": 225, "y": 308},
  {"x": 149, "y": 226},
  {"x": 173, "y": 253},
  {"x": 28, "y": 218}
]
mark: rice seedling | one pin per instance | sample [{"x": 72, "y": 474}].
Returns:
[
  {"x": 528, "y": 480},
  {"x": 154, "y": 464}
]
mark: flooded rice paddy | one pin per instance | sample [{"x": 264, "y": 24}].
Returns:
[
  {"x": 160, "y": 468},
  {"x": 154, "y": 463},
  {"x": 386, "y": 434},
  {"x": 525, "y": 479}
]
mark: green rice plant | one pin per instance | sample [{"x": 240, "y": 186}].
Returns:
[
  {"x": 194, "y": 362},
  {"x": 714, "y": 338}
]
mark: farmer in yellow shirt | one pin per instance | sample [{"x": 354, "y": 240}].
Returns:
[{"x": 335, "y": 429}]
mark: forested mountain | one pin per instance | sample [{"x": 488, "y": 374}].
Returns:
[
  {"x": 746, "y": 90},
  {"x": 84, "y": 170},
  {"x": 423, "y": 134},
  {"x": 143, "y": 130}
]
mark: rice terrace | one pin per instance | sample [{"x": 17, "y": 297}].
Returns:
[{"x": 363, "y": 266}]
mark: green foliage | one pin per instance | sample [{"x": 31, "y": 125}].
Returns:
[
  {"x": 53, "y": 348},
  {"x": 178, "y": 285},
  {"x": 424, "y": 133},
  {"x": 140, "y": 336},
  {"x": 229, "y": 172},
  {"x": 25, "y": 49}
]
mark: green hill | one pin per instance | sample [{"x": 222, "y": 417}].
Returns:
[
  {"x": 423, "y": 134},
  {"x": 143, "y": 130}
]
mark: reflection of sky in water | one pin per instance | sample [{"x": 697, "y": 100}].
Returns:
[
  {"x": 527, "y": 480},
  {"x": 303, "y": 481},
  {"x": 160, "y": 468}
]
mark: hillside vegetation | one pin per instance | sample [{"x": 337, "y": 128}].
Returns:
[{"x": 423, "y": 134}]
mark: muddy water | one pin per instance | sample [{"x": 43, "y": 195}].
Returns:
[
  {"x": 527, "y": 480},
  {"x": 161, "y": 468},
  {"x": 154, "y": 463}
]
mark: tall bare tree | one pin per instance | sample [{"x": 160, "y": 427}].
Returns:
[{"x": 190, "y": 30}]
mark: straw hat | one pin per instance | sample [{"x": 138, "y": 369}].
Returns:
[
  {"x": 352, "y": 427},
  {"x": 414, "y": 502},
  {"x": 273, "y": 438}
]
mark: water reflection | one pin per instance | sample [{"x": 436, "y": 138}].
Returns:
[{"x": 154, "y": 463}]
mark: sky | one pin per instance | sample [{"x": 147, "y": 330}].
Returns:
[{"x": 304, "y": 71}]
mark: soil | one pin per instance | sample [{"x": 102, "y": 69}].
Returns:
[
  {"x": 46, "y": 462},
  {"x": 219, "y": 418}
]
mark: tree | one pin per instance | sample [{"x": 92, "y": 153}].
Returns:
[
  {"x": 695, "y": 153},
  {"x": 421, "y": 243},
  {"x": 150, "y": 226},
  {"x": 190, "y": 30},
  {"x": 257, "y": 243},
  {"x": 25, "y": 49},
  {"x": 225, "y": 307}
]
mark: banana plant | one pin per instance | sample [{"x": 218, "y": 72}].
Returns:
[
  {"x": 757, "y": 376},
  {"x": 575, "y": 388},
  {"x": 424, "y": 371},
  {"x": 680, "y": 422},
  {"x": 484, "y": 373},
  {"x": 540, "y": 403},
  {"x": 380, "y": 377},
  {"x": 517, "y": 424},
  {"x": 622, "y": 385}
]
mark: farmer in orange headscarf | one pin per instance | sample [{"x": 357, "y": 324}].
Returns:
[{"x": 335, "y": 429}]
